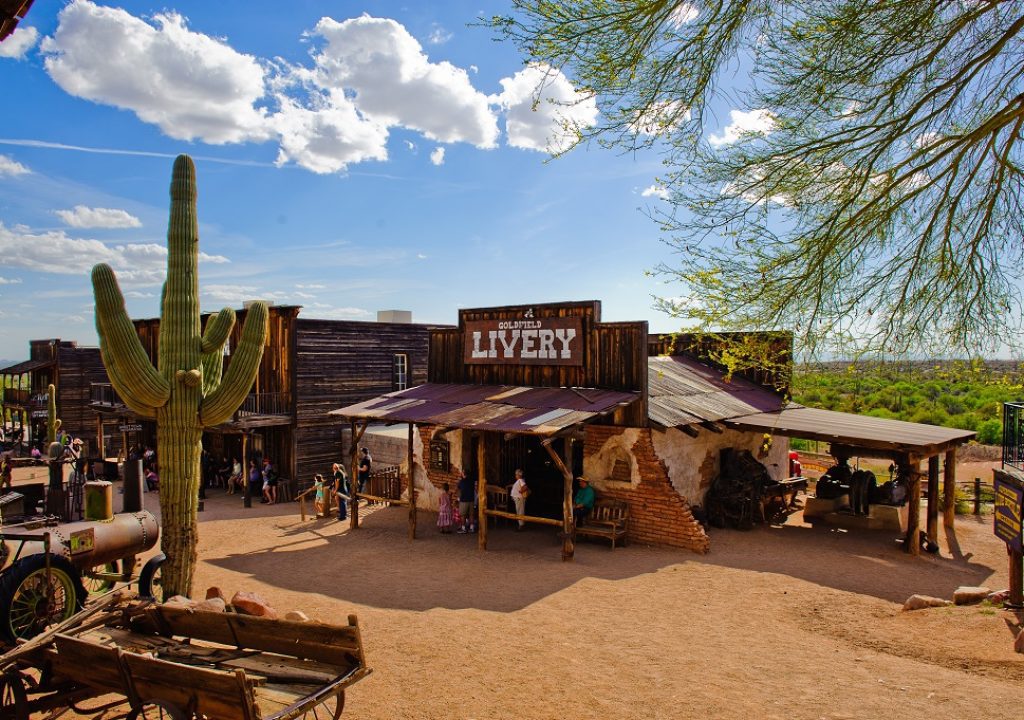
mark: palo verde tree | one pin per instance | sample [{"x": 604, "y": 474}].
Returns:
[
  {"x": 868, "y": 198},
  {"x": 186, "y": 390}
]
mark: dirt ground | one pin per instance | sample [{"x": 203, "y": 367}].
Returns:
[{"x": 787, "y": 621}]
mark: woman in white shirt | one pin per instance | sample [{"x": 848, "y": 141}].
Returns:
[{"x": 519, "y": 492}]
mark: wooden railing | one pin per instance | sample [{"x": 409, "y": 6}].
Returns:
[
  {"x": 265, "y": 404},
  {"x": 13, "y": 396}
]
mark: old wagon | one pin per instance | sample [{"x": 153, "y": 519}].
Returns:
[{"x": 172, "y": 661}]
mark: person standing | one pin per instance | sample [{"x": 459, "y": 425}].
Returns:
[
  {"x": 255, "y": 477},
  {"x": 444, "y": 510},
  {"x": 467, "y": 496},
  {"x": 365, "y": 463},
  {"x": 340, "y": 488},
  {"x": 520, "y": 491}
]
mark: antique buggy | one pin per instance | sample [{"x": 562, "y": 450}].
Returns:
[{"x": 174, "y": 661}]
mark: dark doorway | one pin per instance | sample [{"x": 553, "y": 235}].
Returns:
[{"x": 542, "y": 474}]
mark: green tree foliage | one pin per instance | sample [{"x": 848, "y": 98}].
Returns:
[
  {"x": 877, "y": 206},
  {"x": 969, "y": 396}
]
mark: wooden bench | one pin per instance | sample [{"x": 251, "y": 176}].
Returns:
[
  {"x": 781, "y": 493},
  {"x": 497, "y": 499},
  {"x": 607, "y": 519}
]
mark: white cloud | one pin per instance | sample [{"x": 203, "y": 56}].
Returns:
[
  {"x": 303, "y": 295},
  {"x": 658, "y": 191},
  {"x": 328, "y": 139},
  {"x": 421, "y": 256},
  {"x": 342, "y": 313},
  {"x": 85, "y": 217},
  {"x": 392, "y": 82},
  {"x": 474, "y": 69},
  {"x": 438, "y": 35},
  {"x": 56, "y": 252},
  {"x": 437, "y": 156},
  {"x": 188, "y": 84},
  {"x": 10, "y": 166},
  {"x": 237, "y": 294},
  {"x": 543, "y": 110},
  {"x": 10, "y": 281},
  {"x": 411, "y": 146},
  {"x": 139, "y": 294},
  {"x": 310, "y": 286},
  {"x": 754, "y": 122},
  {"x": 19, "y": 43},
  {"x": 684, "y": 13}
]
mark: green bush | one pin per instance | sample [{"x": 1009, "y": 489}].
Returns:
[{"x": 990, "y": 432}]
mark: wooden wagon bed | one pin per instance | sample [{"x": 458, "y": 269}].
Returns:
[{"x": 215, "y": 664}]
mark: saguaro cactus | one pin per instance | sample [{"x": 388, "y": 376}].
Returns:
[
  {"x": 52, "y": 423},
  {"x": 185, "y": 391}
]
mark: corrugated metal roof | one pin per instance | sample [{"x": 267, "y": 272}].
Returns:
[
  {"x": 500, "y": 408},
  {"x": 26, "y": 366},
  {"x": 683, "y": 391},
  {"x": 856, "y": 430}
]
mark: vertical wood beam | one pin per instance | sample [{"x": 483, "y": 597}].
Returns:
[
  {"x": 353, "y": 477},
  {"x": 949, "y": 488},
  {"x": 933, "y": 500},
  {"x": 568, "y": 529},
  {"x": 481, "y": 491},
  {"x": 412, "y": 487},
  {"x": 247, "y": 488},
  {"x": 99, "y": 431},
  {"x": 1016, "y": 598},
  {"x": 912, "y": 471}
]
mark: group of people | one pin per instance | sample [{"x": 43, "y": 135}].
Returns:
[
  {"x": 465, "y": 520},
  {"x": 340, "y": 487}
]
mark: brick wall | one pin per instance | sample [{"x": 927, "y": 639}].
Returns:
[{"x": 658, "y": 514}]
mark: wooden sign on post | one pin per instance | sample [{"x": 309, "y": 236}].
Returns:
[{"x": 1009, "y": 507}]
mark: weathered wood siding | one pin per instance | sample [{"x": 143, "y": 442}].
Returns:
[
  {"x": 614, "y": 356},
  {"x": 339, "y": 363},
  {"x": 77, "y": 369}
]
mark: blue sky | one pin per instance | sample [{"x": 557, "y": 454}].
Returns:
[{"x": 351, "y": 157}]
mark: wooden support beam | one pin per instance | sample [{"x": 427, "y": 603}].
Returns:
[
  {"x": 357, "y": 431},
  {"x": 481, "y": 492},
  {"x": 1016, "y": 599},
  {"x": 412, "y": 486},
  {"x": 688, "y": 430},
  {"x": 912, "y": 541},
  {"x": 933, "y": 501},
  {"x": 713, "y": 427},
  {"x": 949, "y": 488},
  {"x": 568, "y": 529}
]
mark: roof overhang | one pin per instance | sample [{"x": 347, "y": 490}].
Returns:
[
  {"x": 885, "y": 437},
  {"x": 521, "y": 410},
  {"x": 26, "y": 366}
]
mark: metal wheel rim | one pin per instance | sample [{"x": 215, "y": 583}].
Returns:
[
  {"x": 37, "y": 604},
  {"x": 95, "y": 586}
]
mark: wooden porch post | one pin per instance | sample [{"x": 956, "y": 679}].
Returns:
[
  {"x": 99, "y": 431},
  {"x": 912, "y": 542},
  {"x": 412, "y": 488},
  {"x": 949, "y": 488},
  {"x": 353, "y": 477},
  {"x": 568, "y": 527},
  {"x": 481, "y": 491},
  {"x": 933, "y": 500},
  {"x": 247, "y": 488}
]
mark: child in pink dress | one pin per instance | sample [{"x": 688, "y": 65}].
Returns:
[{"x": 444, "y": 510}]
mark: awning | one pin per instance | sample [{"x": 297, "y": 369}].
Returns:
[
  {"x": 861, "y": 431},
  {"x": 683, "y": 391},
  {"x": 498, "y": 408},
  {"x": 25, "y": 366}
]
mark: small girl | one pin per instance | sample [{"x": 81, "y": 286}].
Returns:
[
  {"x": 444, "y": 510},
  {"x": 318, "y": 502}
]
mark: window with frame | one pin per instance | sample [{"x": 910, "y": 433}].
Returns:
[{"x": 400, "y": 371}]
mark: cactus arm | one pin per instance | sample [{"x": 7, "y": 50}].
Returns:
[
  {"x": 218, "y": 328},
  {"x": 52, "y": 423},
  {"x": 139, "y": 383},
  {"x": 122, "y": 388},
  {"x": 219, "y": 405}
]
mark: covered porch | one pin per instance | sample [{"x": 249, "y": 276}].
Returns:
[
  {"x": 906, "y": 444},
  {"x": 499, "y": 425}
]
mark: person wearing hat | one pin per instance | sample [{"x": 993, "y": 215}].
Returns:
[{"x": 583, "y": 502}]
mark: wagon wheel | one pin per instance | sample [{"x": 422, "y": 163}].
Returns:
[
  {"x": 96, "y": 586},
  {"x": 329, "y": 709},
  {"x": 28, "y": 603},
  {"x": 157, "y": 710},
  {"x": 13, "y": 697},
  {"x": 151, "y": 578}
]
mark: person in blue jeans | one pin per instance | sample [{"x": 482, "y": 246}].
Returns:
[
  {"x": 467, "y": 498},
  {"x": 340, "y": 488}
]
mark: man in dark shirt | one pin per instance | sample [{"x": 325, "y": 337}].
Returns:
[
  {"x": 467, "y": 496},
  {"x": 364, "y": 468}
]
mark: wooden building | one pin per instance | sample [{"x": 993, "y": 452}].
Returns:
[
  {"x": 308, "y": 367},
  {"x": 72, "y": 370},
  {"x": 556, "y": 392}
]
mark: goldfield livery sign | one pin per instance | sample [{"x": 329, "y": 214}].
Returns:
[{"x": 533, "y": 341}]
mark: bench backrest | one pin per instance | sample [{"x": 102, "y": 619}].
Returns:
[{"x": 610, "y": 510}]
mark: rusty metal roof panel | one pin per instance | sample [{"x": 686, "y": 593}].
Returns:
[
  {"x": 683, "y": 391},
  {"x": 854, "y": 430},
  {"x": 500, "y": 408}
]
